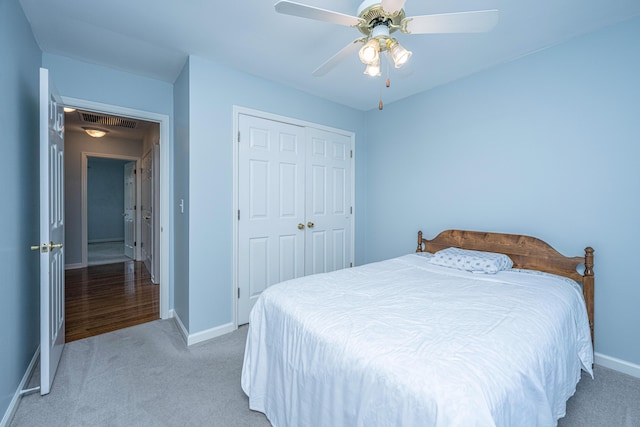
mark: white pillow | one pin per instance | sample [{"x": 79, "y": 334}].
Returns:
[{"x": 474, "y": 261}]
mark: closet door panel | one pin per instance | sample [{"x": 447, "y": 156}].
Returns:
[
  {"x": 328, "y": 201},
  {"x": 271, "y": 158}
]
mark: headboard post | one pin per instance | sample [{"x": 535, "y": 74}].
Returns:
[
  {"x": 588, "y": 286},
  {"x": 419, "y": 242}
]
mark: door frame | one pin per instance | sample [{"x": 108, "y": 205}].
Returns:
[
  {"x": 166, "y": 255},
  {"x": 84, "y": 220},
  {"x": 237, "y": 111}
]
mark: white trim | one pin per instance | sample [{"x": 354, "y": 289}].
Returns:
[
  {"x": 84, "y": 222},
  {"x": 165, "y": 181},
  {"x": 13, "y": 405},
  {"x": 183, "y": 330},
  {"x": 107, "y": 240},
  {"x": 210, "y": 333},
  {"x": 617, "y": 364},
  {"x": 237, "y": 110},
  {"x": 278, "y": 118},
  {"x": 234, "y": 219},
  {"x": 201, "y": 336},
  {"x": 74, "y": 266}
]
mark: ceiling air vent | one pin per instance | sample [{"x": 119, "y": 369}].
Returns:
[{"x": 99, "y": 119}]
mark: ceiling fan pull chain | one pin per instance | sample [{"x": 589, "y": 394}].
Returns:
[
  {"x": 380, "y": 103},
  {"x": 388, "y": 82}
]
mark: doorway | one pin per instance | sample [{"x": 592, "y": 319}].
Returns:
[
  {"x": 110, "y": 213},
  {"x": 114, "y": 290},
  {"x": 132, "y": 268}
]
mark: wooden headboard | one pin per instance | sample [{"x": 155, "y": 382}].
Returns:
[{"x": 525, "y": 252}]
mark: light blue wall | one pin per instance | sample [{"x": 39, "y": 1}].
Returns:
[
  {"x": 546, "y": 146},
  {"x": 77, "y": 79},
  {"x": 80, "y": 80},
  {"x": 181, "y": 191},
  {"x": 105, "y": 199},
  {"x": 213, "y": 90},
  {"x": 20, "y": 60}
]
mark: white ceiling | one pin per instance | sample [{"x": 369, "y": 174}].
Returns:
[{"x": 153, "y": 38}]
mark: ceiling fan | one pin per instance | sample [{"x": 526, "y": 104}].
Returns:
[{"x": 378, "y": 19}]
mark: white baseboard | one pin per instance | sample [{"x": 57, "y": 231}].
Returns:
[
  {"x": 107, "y": 240},
  {"x": 74, "y": 266},
  {"x": 201, "y": 336},
  {"x": 210, "y": 333},
  {"x": 13, "y": 405},
  {"x": 617, "y": 364},
  {"x": 183, "y": 330}
]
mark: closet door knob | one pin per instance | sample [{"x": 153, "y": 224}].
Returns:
[
  {"x": 310, "y": 224},
  {"x": 300, "y": 226}
]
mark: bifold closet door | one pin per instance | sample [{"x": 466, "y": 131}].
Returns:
[{"x": 271, "y": 205}]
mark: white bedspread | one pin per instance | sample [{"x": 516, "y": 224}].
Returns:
[{"x": 405, "y": 343}]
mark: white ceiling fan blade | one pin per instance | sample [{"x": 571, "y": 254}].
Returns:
[
  {"x": 477, "y": 21},
  {"x": 335, "y": 59},
  {"x": 392, "y": 6},
  {"x": 312, "y": 12}
]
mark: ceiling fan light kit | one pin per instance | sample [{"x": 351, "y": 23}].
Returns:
[
  {"x": 399, "y": 54},
  {"x": 373, "y": 69},
  {"x": 370, "y": 52},
  {"x": 377, "y": 19}
]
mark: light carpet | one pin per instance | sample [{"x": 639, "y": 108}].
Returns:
[{"x": 145, "y": 375}]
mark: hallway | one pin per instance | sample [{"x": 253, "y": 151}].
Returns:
[
  {"x": 104, "y": 298},
  {"x": 106, "y": 253}
]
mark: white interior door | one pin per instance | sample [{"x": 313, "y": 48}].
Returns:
[
  {"x": 328, "y": 201},
  {"x": 51, "y": 231},
  {"x": 146, "y": 210},
  {"x": 271, "y": 226},
  {"x": 129, "y": 214}
]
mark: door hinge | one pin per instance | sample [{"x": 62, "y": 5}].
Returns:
[
  {"x": 238, "y": 136},
  {"x": 135, "y": 243},
  {"x": 238, "y": 214},
  {"x": 134, "y": 172},
  {"x": 351, "y": 210},
  {"x": 350, "y": 264},
  {"x": 238, "y": 293},
  {"x": 351, "y": 153}
]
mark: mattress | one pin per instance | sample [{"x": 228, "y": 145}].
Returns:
[{"x": 403, "y": 342}]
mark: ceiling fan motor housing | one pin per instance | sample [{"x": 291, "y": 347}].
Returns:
[{"x": 374, "y": 17}]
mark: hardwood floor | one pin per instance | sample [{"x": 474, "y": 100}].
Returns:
[{"x": 104, "y": 298}]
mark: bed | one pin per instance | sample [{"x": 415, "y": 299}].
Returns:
[{"x": 414, "y": 341}]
